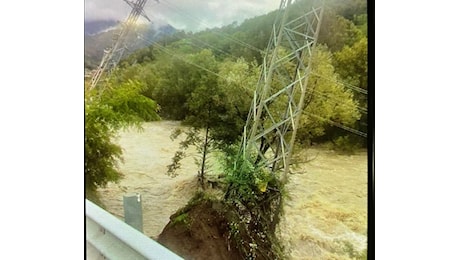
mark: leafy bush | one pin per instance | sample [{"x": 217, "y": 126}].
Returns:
[
  {"x": 256, "y": 196},
  {"x": 107, "y": 110}
]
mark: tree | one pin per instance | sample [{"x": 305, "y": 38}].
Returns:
[
  {"x": 108, "y": 110},
  {"x": 327, "y": 99},
  {"x": 214, "y": 107},
  {"x": 351, "y": 65},
  {"x": 337, "y": 31},
  {"x": 348, "y": 8},
  {"x": 361, "y": 23},
  {"x": 174, "y": 81},
  {"x": 237, "y": 82},
  {"x": 205, "y": 104}
]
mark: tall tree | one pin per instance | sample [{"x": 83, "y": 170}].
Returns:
[{"x": 214, "y": 107}]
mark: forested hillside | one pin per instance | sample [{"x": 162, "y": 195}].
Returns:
[{"x": 209, "y": 67}]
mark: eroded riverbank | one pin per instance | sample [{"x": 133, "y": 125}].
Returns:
[{"x": 325, "y": 216}]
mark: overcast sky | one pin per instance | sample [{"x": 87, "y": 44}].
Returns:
[{"x": 183, "y": 14}]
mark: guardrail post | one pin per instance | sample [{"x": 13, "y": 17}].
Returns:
[
  {"x": 132, "y": 204},
  {"x": 107, "y": 237}
]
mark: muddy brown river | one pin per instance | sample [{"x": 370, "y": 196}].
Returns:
[{"x": 325, "y": 214}]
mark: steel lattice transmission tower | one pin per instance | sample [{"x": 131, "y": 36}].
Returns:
[
  {"x": 279, "y": 98},
  {"x": 113, "y": 54}
]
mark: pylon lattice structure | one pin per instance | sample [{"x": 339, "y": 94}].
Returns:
[
  {"x": 114, "y": 54},
  {"x": 279, "y": 98}
]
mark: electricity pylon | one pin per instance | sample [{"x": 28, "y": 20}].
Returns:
[
  {"x": 113, "y": 54},
  {"x": 279, "y": 98}
]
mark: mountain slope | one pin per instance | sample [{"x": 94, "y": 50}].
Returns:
[
  {"x": 98, "y": 26},
  {"x": 99, "y": 36}
]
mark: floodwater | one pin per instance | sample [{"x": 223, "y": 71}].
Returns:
[{"x": 325, "y": 214}]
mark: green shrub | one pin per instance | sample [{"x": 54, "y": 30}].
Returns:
[{"x": 108, "y": 109}]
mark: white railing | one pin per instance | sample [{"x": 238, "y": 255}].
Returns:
[{"x": 107, "y": 237}]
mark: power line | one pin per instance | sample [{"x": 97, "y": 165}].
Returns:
[
  {"x": 346, "y": 128},
  {"x": 165, "y": 50},
  {"x": 195, "y": 38},
  {"x": 358, "y": 89},
  {"x": 200, "y": 21},
  {"x": 242, "y": 43},
  {"x": 349, "y": 129},
  {"x": 362, "y": 109}
]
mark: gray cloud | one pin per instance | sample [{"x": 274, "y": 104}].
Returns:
[{"x": 183, "y": 14}]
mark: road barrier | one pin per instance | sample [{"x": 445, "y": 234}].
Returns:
[{"x": 107, "y": 237}]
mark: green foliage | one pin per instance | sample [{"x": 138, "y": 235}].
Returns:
[
  {"x": 192, "y": 138},
  {"x": 198, "y": 83},
  {"x": 207, "y": 102},
  {"x": 241, "y": 175},
  {"x": 212, "y": 105},
  {"x": 182, "y": 219},
  {"x": 255, "y": 194},
  {"x": 248, "y": 183},
  {"x": 327, "y": 99},
  {"x": 235, "y": 86},
  {"x": 201, "y": 91},
  {"x": 351, "y": 63},
  {"x": 211, "y": 90},
  {"x": 176, "y": 163},
  {"x": 348, "y": 8},
  {"x": 337, "y": 32},
  {"x": 198, "y": 198},
  {"x": 107, "y": 111},
  {"x": 361, "y": 23}
]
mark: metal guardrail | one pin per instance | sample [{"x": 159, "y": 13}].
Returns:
[{"x": 107, "y": 237}]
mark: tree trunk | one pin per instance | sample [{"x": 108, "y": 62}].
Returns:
[{"x": 203, "y": 162}]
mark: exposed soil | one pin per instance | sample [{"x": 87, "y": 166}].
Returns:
[
  {"x": 199, "y": 232},
  {"x": 212, "y": 229},
  {"x": 325, "y": 214}
]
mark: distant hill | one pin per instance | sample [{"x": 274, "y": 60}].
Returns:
[
  {"x": 99, "y": 36},
  {"x": 95, "y": 27}
]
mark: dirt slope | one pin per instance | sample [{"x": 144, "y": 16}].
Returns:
[{"x": 199, "y": 232}]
